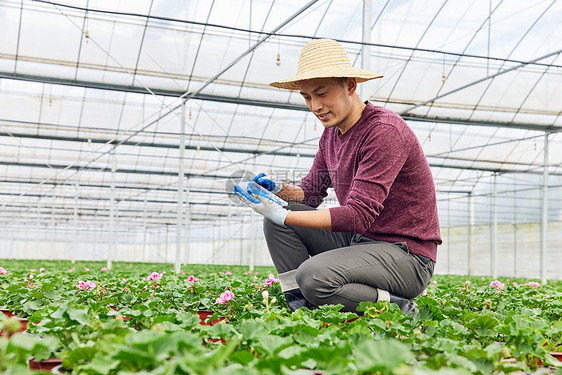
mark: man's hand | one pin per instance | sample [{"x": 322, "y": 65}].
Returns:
[
  {"x": 272, "y": 185},
  {"x": 262, "y": 205}
]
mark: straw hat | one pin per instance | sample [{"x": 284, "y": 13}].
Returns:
[{"x": 323, "y": 58}]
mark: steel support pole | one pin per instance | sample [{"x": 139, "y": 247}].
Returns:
[
  {"x": 470, "y": 213},
  {"x": 187, "y": 224},
  {"x": 494, "y": 252},
  {"x": 53, "y": 231},
  {"x": 366, "y": 48},
  {"x": 37, "y": 232},
  {"x": 179, "y": 224},
  {"x": 112, "y": 236},
  {"x": 75, "y": 226},
  {"x": 544, "y": 208},
  {"x": 144, "y": 237},
  {"x": 448, "y": 234},
  {"x": 167, "y": 235},
  {"x": 214, "y": 244},
  {"x": 514, "y": 228},
  {"x": 252, "y": 239}
]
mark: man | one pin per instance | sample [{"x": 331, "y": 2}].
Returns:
[{"x": 381, "y": 242}]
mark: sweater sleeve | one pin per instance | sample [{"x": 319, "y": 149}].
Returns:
[
  {"x": 316, "y": 183},
  {"x": 381, "y": 157}
]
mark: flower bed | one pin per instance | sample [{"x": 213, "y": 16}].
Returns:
[{"x": 226, "y": 320}]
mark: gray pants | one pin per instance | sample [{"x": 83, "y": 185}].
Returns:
[{"x": 343, "y": 268}]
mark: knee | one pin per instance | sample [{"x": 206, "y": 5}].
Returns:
[{"x": 312, "y": 282}]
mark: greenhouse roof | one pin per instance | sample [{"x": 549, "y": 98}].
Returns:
[{"x": 91, "y": 98}]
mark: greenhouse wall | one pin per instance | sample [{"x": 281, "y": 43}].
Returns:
[
  {"x": 228, "y": 244},
  {"x": 518, "y": 250}
]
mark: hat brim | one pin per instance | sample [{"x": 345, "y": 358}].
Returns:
[{"x": 294, "y": 83}]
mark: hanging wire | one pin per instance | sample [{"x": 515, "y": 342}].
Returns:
[{"x": 443, "y": 75}]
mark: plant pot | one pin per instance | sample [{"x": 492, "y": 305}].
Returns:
[
  {"x": 45, "y": 365},
  {"x": 7, "y": 312},
  {"x": 23, "y": 324},
  {"x": 119, "y": 317},
  {"x": 59, "y": 370},
  {"x": 204, "y": 314},
  {"x": 557, "y": 355}
]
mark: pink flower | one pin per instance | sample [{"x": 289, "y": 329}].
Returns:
[
  {"x": 228, "y": 273},
  {"x": 154, "y": 276},
  {"x": 41, "y": 269},
  {"x": 227, "y": 296},
  {"x": 220, "y": 301},
  {"x": 104, "y": 269},
  {"x": 265, "y": 294},
  {"x": 515, "y": 284},
  {"x": 86, "y": 269},
  {"x": 467, "y": 282},
  {"x": 497, "y": 284},
  {"x": 124, "y": 281},
  {"x": 424, "y": 293},
  {"x": 163, "y": 272},
  {"x": 2, "y": 270},
  {"x": 192, "y": 279},
  {"x": 269, "y": 282},
  {"x": 534, "y": 284},
  {"x": 86, "y": 285},
  {"x": 434, "y": 281},
  {"x": 71, "y": 270}
]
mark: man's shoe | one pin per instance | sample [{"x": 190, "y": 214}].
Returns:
[
  {"x": 407, "y": 306},
  {"x": 295, "y": 300}
]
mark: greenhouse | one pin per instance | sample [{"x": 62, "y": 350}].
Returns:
[{"x": 123, "y": 125}]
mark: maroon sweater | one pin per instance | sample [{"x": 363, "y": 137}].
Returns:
[{"x": 382, "y": 181}]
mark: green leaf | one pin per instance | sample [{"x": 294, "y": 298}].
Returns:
[
  {"x": 222, "y": 330},
  {"x": 272, "y": 344},
  {"x": 187, "y": 320},
  {"x": 101, "y": 366},
  {"x": 24, "y": 342},
  {"x": 78, "y": 315},
  {"x": 383, "y": 356},
  {"x": 60, "y": 311},
  {"x": 250, "y": 329},
  {"x": 31, "y": 306},
  {"x": 243, "y": 357}
]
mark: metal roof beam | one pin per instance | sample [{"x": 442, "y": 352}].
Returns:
[
  {"x": 165, "y": 173},
  {"x": 149, "y": 144},
  {"x": 265, "y": 103}
]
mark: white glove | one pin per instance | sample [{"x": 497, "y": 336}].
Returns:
[{"x": 262, "y": 205}]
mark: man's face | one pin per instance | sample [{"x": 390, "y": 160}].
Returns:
[{"x": 329, "y": 100}]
